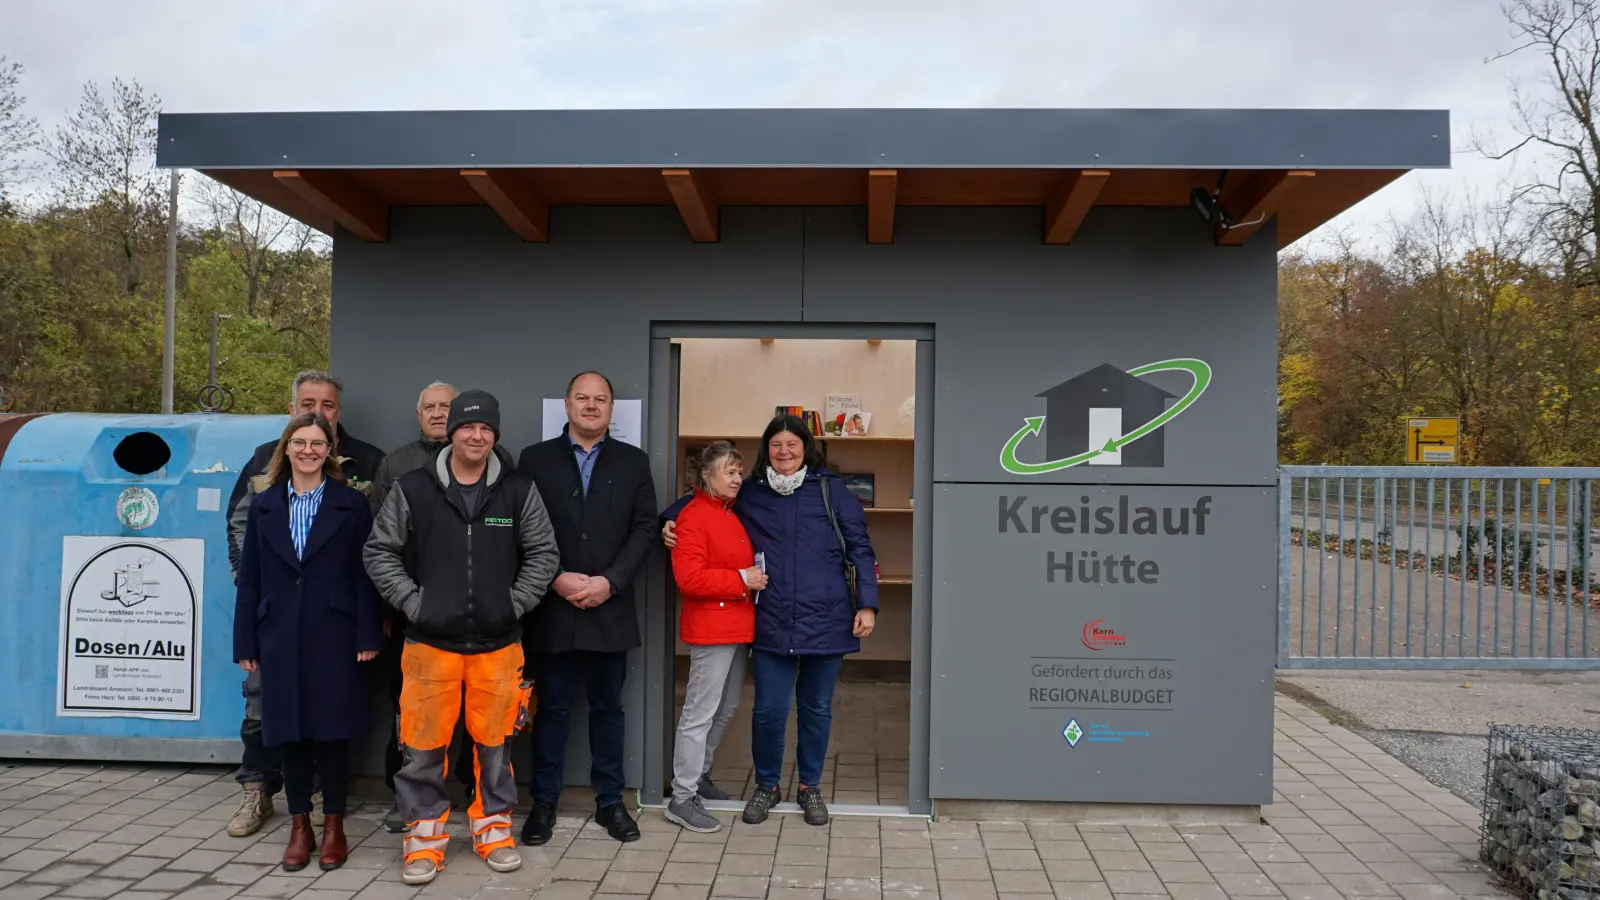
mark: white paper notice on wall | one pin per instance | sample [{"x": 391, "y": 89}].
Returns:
[
  {"x": 208, "y": 499},
  {"x": 130, "y": 627},
  {"x": 627, "y": 420}
]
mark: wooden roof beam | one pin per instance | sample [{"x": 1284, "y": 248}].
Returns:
[
  {"x": 881, "y": 187},
  {"x": 1251, "y": 201},
  {"x": 696, "y": 203},
  {"x": 1071, "y": 202},
  {"x": 335, "y": 197},
  {"x": 522, "y": 209}
]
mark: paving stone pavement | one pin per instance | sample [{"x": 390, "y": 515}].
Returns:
[{"x": 1348, "y": 822}]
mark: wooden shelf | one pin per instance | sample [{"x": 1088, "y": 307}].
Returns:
[
  {"x": 894, "y": 579},
  {"x": 886, "y": 509}
]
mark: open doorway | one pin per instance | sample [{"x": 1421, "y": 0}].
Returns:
[{"x": 858, "y": 396}]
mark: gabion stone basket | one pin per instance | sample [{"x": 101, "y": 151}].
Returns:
[{"x": 1541, "y": 811}]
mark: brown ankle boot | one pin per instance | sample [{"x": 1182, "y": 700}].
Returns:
[
  {"x": 298, "y": 854},
  {"x": 334, "y": 848}
]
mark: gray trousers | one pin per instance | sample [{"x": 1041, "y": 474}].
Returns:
[{"x": 716, "y": 677}]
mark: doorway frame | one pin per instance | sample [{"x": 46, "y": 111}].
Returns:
[{"x": 661, "y": 430}]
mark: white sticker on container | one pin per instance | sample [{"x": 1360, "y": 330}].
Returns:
[{"x": 208, "y": 499}]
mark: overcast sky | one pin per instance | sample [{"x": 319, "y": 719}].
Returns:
[{"x": 253, "y": 55}]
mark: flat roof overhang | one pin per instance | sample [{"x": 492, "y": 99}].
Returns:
[{"x": 1303, "y": 167}]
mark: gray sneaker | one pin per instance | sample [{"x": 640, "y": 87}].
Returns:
[
  {"x": 691, "y": 814},
  {"x": 393, "y": 821},
  {"x": 317, "y": 816}
]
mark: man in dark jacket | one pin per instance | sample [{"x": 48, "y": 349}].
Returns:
[
  {"x": 463, "y": 548},
  {"x": 259, "y": 772},
  {"x": 433, "y": 416},
  {"x": 601, "y": 499}
]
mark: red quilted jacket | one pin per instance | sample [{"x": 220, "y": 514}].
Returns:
[{"x": 712, "y": 547}]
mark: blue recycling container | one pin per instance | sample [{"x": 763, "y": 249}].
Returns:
[{"x": 115, "y": 587}]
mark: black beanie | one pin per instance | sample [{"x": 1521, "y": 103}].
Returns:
[{"x": 473, "y": 406}]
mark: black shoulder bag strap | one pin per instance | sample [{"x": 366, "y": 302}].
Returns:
[{"x": 849, "y": 567}]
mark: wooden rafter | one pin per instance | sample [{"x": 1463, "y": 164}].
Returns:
[
  {"x": 881, "y": 189},
  {"x": 1251, "y": 201},
  {"x": 334, "y": 196},
  {"x": 696, "y": 203},
  {"x": 521, "y": 208},
  {"x": 1071, "y": 202}
]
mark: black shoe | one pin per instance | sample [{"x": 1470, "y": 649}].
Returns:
[
  {"x": 755, "y": 812},
  {"x": 540, "y": 826},
  {"x": 618, "y": 823},
  {"x": 811, "y": 803},
  {"x": 709, "y": 791}
]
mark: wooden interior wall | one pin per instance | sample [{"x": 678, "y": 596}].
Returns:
[
  {"x": 728, "y": 389},
  {"x": 731, "y": 386}
]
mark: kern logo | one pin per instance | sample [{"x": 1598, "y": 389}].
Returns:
[
  {"x": 1072, "y": 733},
  {"x": 1097, "y": 636},
  {"x": 1106, "y": 417}
]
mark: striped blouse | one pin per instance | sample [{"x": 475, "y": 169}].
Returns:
[{"x": 302, "y": 512}]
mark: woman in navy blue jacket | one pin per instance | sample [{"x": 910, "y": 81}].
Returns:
[{"x": 806, "y": 619}]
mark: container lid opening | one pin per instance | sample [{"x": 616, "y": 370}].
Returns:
[{"x": 141, "y": 453}]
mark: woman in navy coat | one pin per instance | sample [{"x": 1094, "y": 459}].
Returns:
[
  {"x": 307, "y": 618},
  {"x": 806, "y": 619}
]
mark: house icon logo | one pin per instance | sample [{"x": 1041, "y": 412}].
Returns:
[{"x": 1106, "y": 416}]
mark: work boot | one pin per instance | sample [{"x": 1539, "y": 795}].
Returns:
[
  {"x": 765, "y": 798},
  {"x": 709, "y": 791},
  {"x": 504, "y": 859},
  {"x": 691, "y": 814},
  {"x": 317, "y": 818},
  {"x": 334, "y": 847},
  {"x": 812, "y": 805},
  {"x": 393, "y": 822},
  {"x": 419, "y": 871},
  {"x": 298, "y": 854},
  {"x": 256, "y": 808}
]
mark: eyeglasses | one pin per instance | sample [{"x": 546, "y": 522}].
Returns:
[{"x": 298, "y": 444}]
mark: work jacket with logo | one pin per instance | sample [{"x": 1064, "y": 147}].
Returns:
[{"x": 463, "y": 583}]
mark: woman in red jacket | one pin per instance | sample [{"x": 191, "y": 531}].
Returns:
[{"x": 714, "y": 566}]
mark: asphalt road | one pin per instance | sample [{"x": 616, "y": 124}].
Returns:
[{"x": 1439, "y": 541}]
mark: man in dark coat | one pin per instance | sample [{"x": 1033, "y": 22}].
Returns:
[
  {"x": 601, "y": 500},
  {"x": 260, "y": 771}
]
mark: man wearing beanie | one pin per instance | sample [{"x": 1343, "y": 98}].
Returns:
[{"x": 463, "y": 548}]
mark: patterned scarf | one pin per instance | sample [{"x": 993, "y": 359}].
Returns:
[{"x": 785, "y": 484}]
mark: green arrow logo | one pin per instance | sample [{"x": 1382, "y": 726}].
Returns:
[{"x": 1199, "y": 370}]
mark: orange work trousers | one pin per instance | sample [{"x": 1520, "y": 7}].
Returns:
[{"x": 430, "y": 701}]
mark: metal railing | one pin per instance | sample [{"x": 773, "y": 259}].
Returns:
[{"x": 1436, "y": 567}]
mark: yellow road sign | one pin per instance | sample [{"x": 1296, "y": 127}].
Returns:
[{"x": 1433, "y": 441}]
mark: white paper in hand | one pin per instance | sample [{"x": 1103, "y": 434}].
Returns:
[{"x": 761, "y": 563}]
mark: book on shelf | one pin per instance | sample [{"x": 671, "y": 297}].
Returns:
[
  {"x": 836, "y": 410},
  {"x": 861, "y": 485}
]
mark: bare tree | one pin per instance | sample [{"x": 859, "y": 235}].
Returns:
[
  {"x": 261, "y": 241},
  {"x": 1560, "y": 118},
  {"x": 19, "y": 134},
  {"x": 105, "y": 164}
]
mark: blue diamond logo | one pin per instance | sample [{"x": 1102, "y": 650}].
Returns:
[{"x": 1072, "y": 733}]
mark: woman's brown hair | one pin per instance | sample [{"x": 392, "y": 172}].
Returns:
[
  {"x": 716, "y": 454},
  {"x": 278, "y": 468}
]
